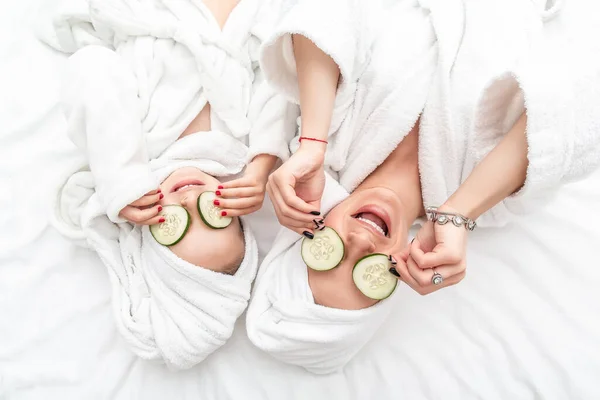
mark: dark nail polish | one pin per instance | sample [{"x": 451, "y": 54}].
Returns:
[
  {"x": 223, "y": 213},
  {"x": 308, "y": 234},
  {"x": 315, "y": 213},
  {"x": 159, "y": 208},
  {"x": 217, "y": 203},
  {"x": 161, "y": 196},
  {"x": 394, "y": 272},
  {"x": 160, "y": 221},
  {"x": 220, "y": 187},
  {"x": 218, "y": 193},
  {"x": 411, "y": 242}
]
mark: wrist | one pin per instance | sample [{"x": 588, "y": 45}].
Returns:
[
  {"x": 313, "y": 149},
  {"x": 262, "y": 164},
  {"x": 464, "y": 209}
]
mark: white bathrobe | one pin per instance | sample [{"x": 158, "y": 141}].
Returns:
[
  {"x": 491, "y": 61},
  {"x": 182, "y": 60}
]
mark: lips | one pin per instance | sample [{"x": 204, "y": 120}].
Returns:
[
  {"x": 186, "y": 184},
  {"x": 375, "y": 218}
]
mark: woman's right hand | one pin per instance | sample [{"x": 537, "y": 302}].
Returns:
[
  {"x": 296, "y": 189},
  {"x": 144, "y": 211}
]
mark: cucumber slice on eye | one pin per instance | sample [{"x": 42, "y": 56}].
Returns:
[
  {"x": 324, "y": 252},
  {"x": 177, "y": 222},
  {"x": 211, "y": 214},
  {"x": 373, "y": 278}
]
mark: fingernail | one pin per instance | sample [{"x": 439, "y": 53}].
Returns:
[
  {"x": 308, "y": 235},
  {"x": 158, "y": 191},
  {"x": 217, "y": 202},
  {"x": 411, "y": 242},
  {"x": 315, "y": 213},
  {"x": 159, "y": 208},
  {"x": 394, "y": 272},
  {"x": 223, "y": 213},
  {"x": 161, "y": 196},
  {"x": 160, "y": 221},
  {"x": 218, "y": 193},
  {"x": 220, "y": 187}
]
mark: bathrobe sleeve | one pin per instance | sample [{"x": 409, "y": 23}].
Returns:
[
  {"x": 343, "y": 29},
  {"x": 273, "y": 120},
  {"x": 558, "y": 85},
  {"x": 100, "y": 102}
]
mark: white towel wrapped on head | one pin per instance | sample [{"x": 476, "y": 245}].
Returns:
[{"x": 283, "y": 319}]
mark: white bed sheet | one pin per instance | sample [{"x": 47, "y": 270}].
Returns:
[{"x": 523, "y": 325}]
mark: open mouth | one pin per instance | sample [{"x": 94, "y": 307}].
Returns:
[
  {"x": 375, "y": 218},
  {"x": 185, "y": 185}
]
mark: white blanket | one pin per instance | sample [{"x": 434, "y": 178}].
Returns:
[
  {"x": 181, "y": 60},
  {"x": 490, "y": 60},
  {"x": 283, "y": 319}
]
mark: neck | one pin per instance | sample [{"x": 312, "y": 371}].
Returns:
[{"x": 400, "y": 173}]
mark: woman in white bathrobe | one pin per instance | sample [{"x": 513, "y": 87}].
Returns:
[{"x": 485, "y": 66}]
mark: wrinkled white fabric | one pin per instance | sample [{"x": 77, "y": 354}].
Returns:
[
  {"x": 492, "y": 62},
  {"x": 181, "y": 60}
]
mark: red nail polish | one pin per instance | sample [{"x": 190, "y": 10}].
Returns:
[
  {"x": 217, "y": 203},
  {"x": 159, "y": 208},
  {"x": 161, "y": 196},
  {"x": 160, "y": 221},
  {"x": 220, "y": 187},
  {"x": 223, "y": 213},
  {"x": 218, "y": 193},
  {"x": 158, "y": 191}
]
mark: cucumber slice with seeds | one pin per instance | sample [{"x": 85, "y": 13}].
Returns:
[
  {"x": 373, "y": 278},
  {"x": 176, "y": 225},
  {"x": 211, "y": 214},
  {"x": 324, "y": 252}
]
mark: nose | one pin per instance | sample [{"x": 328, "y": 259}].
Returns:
[{"x": 360, "y": 243}]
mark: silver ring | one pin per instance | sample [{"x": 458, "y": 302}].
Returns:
[{"x": 437, "y": 278}]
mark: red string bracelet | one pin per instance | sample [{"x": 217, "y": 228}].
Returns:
[{"x": 301, "y": 138}]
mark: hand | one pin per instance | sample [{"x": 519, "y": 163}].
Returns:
[
  {"x": 296, "y": 189},
  {"x": 144, "y": 211},
  {"x": 246, "y": 195},
  {"x": 439, "y": 247}
]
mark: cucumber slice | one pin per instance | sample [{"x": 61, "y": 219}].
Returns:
[
  {"x": 324, "y": 252},
  {"x": 210, "y": 214},
  {"x": 177, "y": 222},
  {"x": 373, "y": 278}
]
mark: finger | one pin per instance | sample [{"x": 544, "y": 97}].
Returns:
[
  {"x": 239, "y": 192},
  {"x": 440, "y": 255},
  {"x": 422, "y": 277},
  {"x": 136, "y": 215},
  {"x": 449, "y": 271},
  {"x": 159, "y": 219},
  {"x": 289, "y": 197},
  {"x": 241, "y": 211},
  {"x": 238, "y": 204},
  {"x": 402, "y": 269},
  {"x": 236, "y": 183},
  {"x": 284, "y": 210},
  {"x": 147, "y": 200}
]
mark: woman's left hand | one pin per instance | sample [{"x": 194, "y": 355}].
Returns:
[{"x": 437, "y": 249}]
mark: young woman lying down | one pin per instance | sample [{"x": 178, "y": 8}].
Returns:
[
  {"x": 494, "y": 125},
  {"x": 177, "y": 133}
]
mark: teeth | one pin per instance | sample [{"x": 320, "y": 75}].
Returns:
[
  {"x": 186, "y": 186},
  {"x": 373, "y": 224}
]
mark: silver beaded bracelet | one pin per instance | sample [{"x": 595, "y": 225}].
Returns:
[{"x": 442, "y": 218}]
